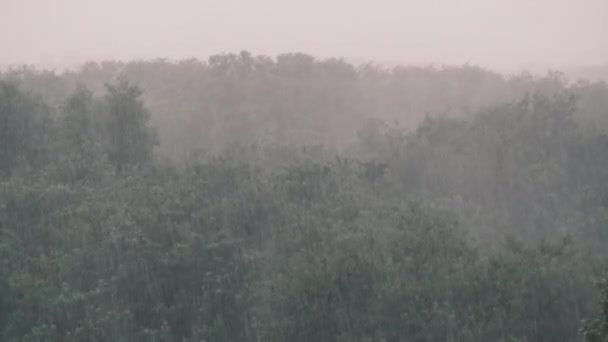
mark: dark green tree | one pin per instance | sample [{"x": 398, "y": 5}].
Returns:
[
  {"x": 25, "y": 125},
  {"x": 131, "y": 141},
  {"x": 80, "y": 142},
  {"x": 596, "y": 330}
]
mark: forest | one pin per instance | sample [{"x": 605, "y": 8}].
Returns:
[{"x": 292, "y": 198}]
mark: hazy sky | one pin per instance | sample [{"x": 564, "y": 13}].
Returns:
[{"x": 500, "y": 34}]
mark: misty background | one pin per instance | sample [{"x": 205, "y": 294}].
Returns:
[{"x": 506, "y": 36}]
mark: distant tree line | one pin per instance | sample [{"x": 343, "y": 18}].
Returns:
[{"x": 295, "y": 98}]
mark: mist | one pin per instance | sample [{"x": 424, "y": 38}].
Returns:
[
  {"x": 502, "y": 35},
  {"x": 270, "y": 170}
]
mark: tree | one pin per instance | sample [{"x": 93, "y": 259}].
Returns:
[
  {"x": 80, "y": 141},
  {"x": 130, "y": 140},
  {"x": 597, "y": 330},
  {"x": 24, "y": 127}
]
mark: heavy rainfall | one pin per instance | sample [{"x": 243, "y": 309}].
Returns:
[{"x": 331, "y": 170}]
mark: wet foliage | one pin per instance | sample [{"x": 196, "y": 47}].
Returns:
[{"x": 259, "y": 222}]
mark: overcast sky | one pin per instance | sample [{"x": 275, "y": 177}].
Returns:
[{"x": 499, "y": 34}]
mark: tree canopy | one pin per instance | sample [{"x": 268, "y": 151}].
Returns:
[{"x": 280, "y": 201}]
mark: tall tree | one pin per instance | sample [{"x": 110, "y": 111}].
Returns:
[
  {"x": 24, "y": 127},
  {"x": 130, "y": 139},
  {"x": 80, "y": 139}
]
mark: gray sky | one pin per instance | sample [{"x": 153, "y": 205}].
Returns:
[{"x": 500, "y": 34}]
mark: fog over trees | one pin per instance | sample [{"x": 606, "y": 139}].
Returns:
[
  {"x": 292, "y": 198},
  {"x": 304, "y": 171}
]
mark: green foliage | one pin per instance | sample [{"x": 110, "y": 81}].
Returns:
[
  {"x": 131, "y": 141},
  {"x": 80, "y": 145},
  {"x": 484, "y": 226},
  {"x": 298, "y": 99},
  {"x": 24, "y": 129},
  {"x": 597, "y": 330}
]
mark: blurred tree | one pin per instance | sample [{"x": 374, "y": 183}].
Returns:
[
  {"x": 596, "y": 330},
  {"x": 130, "y": 139},
  {"x": 25, "y": 128}
]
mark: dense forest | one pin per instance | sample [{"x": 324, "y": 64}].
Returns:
[{"x": 250, "y": 198}]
